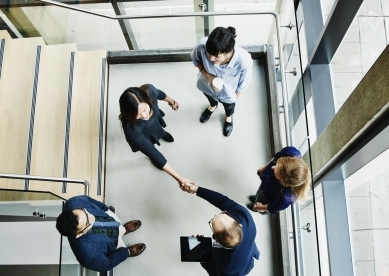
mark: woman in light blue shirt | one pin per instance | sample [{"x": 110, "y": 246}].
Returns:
[{"x": 217, "y": 57}]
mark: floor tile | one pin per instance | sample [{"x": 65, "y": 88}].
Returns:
[{"x": 362, "y": 245}]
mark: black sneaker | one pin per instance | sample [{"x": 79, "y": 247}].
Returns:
[{"x": 168, "y": 137}]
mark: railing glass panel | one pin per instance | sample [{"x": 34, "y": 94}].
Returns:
[{"x": 27, "y": 219}]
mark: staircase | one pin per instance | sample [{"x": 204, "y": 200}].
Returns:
[{"x": 52, "y": 115}]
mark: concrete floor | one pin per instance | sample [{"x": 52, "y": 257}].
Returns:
[{"x": 201, "y": 153}]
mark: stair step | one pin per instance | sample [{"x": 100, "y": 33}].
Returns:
[
  {"x": 16, "y": 83},
  {"x": 85, "y": 136},
  {"x": 48, "y": 146}
]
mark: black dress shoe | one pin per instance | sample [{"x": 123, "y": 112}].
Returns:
[
  {"x": 168, "y": 137},
  {"x": 227, "y": 128},
  {"x": 206, "y": 115},
  {"x": 252, "y": 198}
]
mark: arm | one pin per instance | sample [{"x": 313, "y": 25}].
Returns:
[
  {"x": 260, "y": 169},
  {"x": 169, "y": 170},
  {"x": 101, "y": 262},
  {"x": 173, "y": 104},
  {"x": 245, "y": 77},
  {"x": 160, "y": 95},
  {"x": 208, "y": 76},
  {"x": 218, "y": 200},
  {"x": 138, "y": 141}
]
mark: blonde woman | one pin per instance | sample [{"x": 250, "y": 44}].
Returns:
[{"x": 285, "y": 180}]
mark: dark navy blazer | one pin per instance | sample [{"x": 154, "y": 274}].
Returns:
[
  {"x": 94, "y": 251},
  {"x": 240, "y": 260}
]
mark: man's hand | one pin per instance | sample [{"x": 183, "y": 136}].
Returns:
[
  {"x": 182, "y": 181},
  {"x": 189, "y": 187}
]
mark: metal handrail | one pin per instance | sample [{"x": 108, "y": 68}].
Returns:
[
  {"x": 46, "y": 178},
  {"x": 189, "y": 14}
]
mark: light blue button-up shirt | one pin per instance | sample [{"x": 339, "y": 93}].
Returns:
[{"x": 236, "y": 75}]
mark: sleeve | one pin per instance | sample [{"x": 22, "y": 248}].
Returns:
[
  {"x": 82, "y": 201},
  {"x": 196, "y": 55},
  {"x": 278, "y": 204},
  {"x": 137, "y": 140},
  {"x": 99, "y": 204},
  {"x": 287, "y": 151},
  {"x": 98, "y": 261},
  {"x": 218, "y": 200},
  {"x": 246, "y": 74},
  {"x": 158, "y": 93}
]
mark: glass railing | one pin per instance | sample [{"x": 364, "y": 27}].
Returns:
[
  {"x": 177, "y": 25},
  {"x": 28, "y": 226},
  {"x": 301, "y": 218}
]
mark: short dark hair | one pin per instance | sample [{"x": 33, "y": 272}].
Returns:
[
  {"x": 129, "y": 102},
  {"x": 231, "y": 236},
  {"x": 67, "y": 223},
  {"x": 221, "y": 41}
]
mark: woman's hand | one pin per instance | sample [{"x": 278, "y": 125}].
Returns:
[
  {"x": 174, "y": 105},
  {"x": 259, "y": 207},
  {"x": 210, "y": 80}
]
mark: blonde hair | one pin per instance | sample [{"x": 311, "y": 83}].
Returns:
[{"x": 295, "y": 174}]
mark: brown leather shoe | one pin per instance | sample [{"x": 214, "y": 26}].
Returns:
[
  {"x": 131, "y": 226},
  {"x": 136, "y": 249}
]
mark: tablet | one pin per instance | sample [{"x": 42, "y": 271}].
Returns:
[{"x": 196, "y": 249}]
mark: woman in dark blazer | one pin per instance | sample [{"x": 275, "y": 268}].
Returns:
[
  {"x": 143, "y": 124},
  {"x": 285, "y": 180}
]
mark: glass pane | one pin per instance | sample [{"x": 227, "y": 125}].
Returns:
[
  {"x": 159, "y": 33},
  {"x": 63, "y": 26},
  {"x": 364, "y": 41},
  {"x": 326, "y": 8},
  {"x": 27, "y": 219},
  {"x": 367, "y": 194}
]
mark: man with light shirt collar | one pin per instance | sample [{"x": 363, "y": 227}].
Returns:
[
  {"x": 95, "y": 233},
  {"x": 234, "y": 232}
]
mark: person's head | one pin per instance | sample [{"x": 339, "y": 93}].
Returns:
[
  {"x": 226, "y": 230},
  {"x": 75, "y": 223},
  {"x": 292, "y": 172},
  {"x": 220, "y": 44},
  {"x": 135, "y": 104}
]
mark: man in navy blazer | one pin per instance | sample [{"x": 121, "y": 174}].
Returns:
[
  {"x": 95, "y": 234},
  {"x": 234, "y": 231}
]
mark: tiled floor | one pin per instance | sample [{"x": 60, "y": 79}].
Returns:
[
  {"x": 200, "y": 152},
  {"x": 368, "y": 211},
  {"x": 365, "y": 40}
]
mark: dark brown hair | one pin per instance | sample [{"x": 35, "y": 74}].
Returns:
[{"x": 129, "y": 102}]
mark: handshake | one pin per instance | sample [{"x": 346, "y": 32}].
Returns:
[{"x": 188, "y": 186}]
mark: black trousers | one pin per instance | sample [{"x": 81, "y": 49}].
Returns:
[{"x": 228, "y": 107}]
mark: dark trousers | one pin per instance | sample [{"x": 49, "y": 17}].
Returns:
[
  {"x": 228, "y": 107},
  {"x": 261, "y": 198}
]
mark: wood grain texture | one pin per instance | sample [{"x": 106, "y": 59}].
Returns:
[
  {"x": 16, "y": 86},
  {"x": 84, "y": 123},
  {"x": 48, "y": 146}
]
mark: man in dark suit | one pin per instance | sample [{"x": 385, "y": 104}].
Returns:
[
  {"x": 234, "y": 231},
  {"x": 95, "y": 233}
]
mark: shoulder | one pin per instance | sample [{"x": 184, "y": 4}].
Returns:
[
  {"x": 244, "y": 56},
  {"x": 203, "y": 41},
  {"x": 291, "y": 151},
  {"x": 75, "y": 202}
]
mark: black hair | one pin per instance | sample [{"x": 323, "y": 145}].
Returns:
[
  {"x": 129, "y": 102},
  {"x": 67, "y": 224},
  {"x": 221, "y": 41}
]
